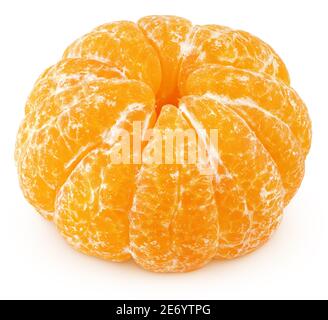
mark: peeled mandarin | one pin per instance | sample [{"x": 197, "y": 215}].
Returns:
[{"x": 164, "y": 142}]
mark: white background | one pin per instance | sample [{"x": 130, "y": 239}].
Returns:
[{"x": 36, "y": 263}]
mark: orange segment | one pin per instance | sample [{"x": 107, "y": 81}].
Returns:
[
  {"x": 278, "y": 140},
  {"x": 54, "y": 81},
  {"x": 92, "y": 206},
  {"x": 122, "y": 45},
  {"x": 174, "y": 226},
  {"x": 73, "y": 123},
  {"x": 214, "y": 44},
  {"x": 234, "y": 219},
  {"x": 270, "y": 94},
  {"x": 67, "y": 73},
  {"x": 244, "y": 161},
  {"x": 166, "y": 33}
]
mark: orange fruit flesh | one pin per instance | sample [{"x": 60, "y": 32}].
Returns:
[
  {"x": 270, "y": 94},
  {"x": 121, "y": 45},
  {"x": 268, "y": 106},
  {"x": 54, "y": 81},
  {"x": 92, "y": 205},
  {"x": 248, "y": 169},
  {"x": 69, "y": 125},
  {"x": 168, "y": 217},
  {"x": 167, "y": 34},
  {"x": 174, "y": 219},
  {"x": 214, "y": 44}
]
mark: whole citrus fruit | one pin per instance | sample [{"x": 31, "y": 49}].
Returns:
[{"x": 78, "y": 165}]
